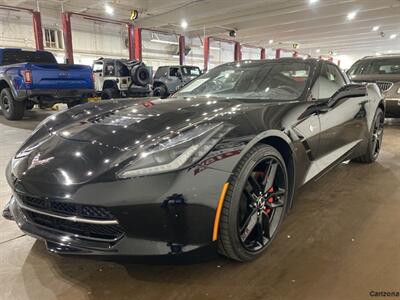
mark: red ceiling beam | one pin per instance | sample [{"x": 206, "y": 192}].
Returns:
[
  {"x": 182, "y": 49},
  {"x": 37, "y": 30},
  {"x": 206, "y": 48},
  {"x": 67, "y": 33},
  {"x": 138, "y": 43},
  {"x": 262, "y": 53},
  {"x": 237, "y": 52}
]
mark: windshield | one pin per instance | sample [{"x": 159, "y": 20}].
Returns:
[
  {"x": 376, "y": 66},
  {"x": 190, "y": 71},
  {"x": 278, "y": 81},
  {"x": 15, "y": 56}
]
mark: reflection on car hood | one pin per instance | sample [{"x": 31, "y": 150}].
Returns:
[
  {"x": 375, "y": 77},
  {"x": 128, "y": 122}
]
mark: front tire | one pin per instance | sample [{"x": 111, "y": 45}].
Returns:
[
  {"x": 12, "y": 109},
  {"x": 160, "y": 91},
  {"x": 375, "y": 139},
  {"x": 255, "y": 204}
]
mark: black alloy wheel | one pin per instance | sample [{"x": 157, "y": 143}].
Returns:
[
  {"x": 255, "y": 204},
  {"x": 375, "y": 139},
  {"x": 377, "y": 134}
]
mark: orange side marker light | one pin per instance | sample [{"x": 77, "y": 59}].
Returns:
[{"x": 219, "y": 210}]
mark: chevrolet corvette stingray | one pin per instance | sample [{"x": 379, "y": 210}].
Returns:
[{"x": 217, "y": 163}]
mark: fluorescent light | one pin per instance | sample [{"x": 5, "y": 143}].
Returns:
[
  {"x": 318, "y": 50},
  {"x": 163, "y": 42},
  {"x": 378, "y": 54},
  {"x": 313, "y": 1},
  {"x": 184, "y": 24},
  {"x": 393, "y": 36},
  {"x": 270, "y": 41},
  {"x": 351, "y": 15},
  {"x": 375, "y": 28},
  {"x": 109, "y": 9}
]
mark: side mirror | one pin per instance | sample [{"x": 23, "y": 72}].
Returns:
[{"x": 348, "y": 91}]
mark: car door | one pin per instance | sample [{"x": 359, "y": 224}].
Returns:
[
  {"x": 173, "y": 79},
  {"x": 341, "y": 122}
]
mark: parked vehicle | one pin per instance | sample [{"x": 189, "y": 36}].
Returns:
[
  {"x": 117, "y": 78},
  {"x": 217, "y": 162},
  {"x": 385, "y": 71},
  {"x": 35, "y": 77},
  {"x": 169, "y": 79}
]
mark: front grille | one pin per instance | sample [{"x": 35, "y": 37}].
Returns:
[
  {"x": 384, "y": 85},
  {"x": 94, "y": 222},
  {"x": 68, "y": 209},
  {"x": 99, "y": 231}
]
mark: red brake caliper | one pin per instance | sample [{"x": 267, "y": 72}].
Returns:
[{"x": 270, "y": 200}]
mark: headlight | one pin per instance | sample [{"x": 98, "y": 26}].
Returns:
[{"x": 179, "y": 151}]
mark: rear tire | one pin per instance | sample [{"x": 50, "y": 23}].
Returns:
[
  {"x": 237, "y": 239},
  {"x": 375, "y": 139},
  {"x": 110, "y": 93},
  {"x": 12, "y": 109}
]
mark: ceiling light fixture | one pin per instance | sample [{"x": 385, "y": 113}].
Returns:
[
  {"x": 313, "y": 1},
  {"x": 375, "y": 28},
  {"x": 318, "y": 50},
  {"x": 271, "y": 41},
  {"x": 393, "y": 36},
  {"x": 351, "y": 15},
  {"x": 184, "y": 24},
  {"x": 109, "y": 10}
]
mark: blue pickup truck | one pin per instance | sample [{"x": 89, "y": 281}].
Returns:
[{"x": 34, "y": 77}]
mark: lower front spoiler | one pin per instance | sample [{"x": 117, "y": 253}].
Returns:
[{"x": 68, "y": 243}]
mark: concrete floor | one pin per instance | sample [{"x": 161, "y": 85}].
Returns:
[{"x": 340, "y": 241}]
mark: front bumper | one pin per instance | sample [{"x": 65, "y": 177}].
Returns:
[{"x": 62, "y": 242}]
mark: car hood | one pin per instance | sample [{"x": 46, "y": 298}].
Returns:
[
  {"x": 126, "y": 123},
  {"x": 375, "y": 77}
]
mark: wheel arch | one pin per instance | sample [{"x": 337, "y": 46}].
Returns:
[
  {"x": 107, "y": 84},
  {"x": 281, "y": 142}
]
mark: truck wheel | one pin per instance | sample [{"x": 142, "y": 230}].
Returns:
[
  {"x": 110, "y": 93},
  {"x": 160, "y": 91},
  {"x": 12, "y": 109}
]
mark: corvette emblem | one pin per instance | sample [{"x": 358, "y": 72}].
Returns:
[{"x": 36, "y": 161}]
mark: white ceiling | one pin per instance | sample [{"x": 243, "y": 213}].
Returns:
[{"x": 320, "y": 25}]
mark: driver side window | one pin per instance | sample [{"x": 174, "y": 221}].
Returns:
[{"x": 329, "y": 81}]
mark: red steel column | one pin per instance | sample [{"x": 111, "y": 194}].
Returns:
[
  {"x": 238, "y": 52},
  {"x": 295, "y": 54},
  {"x": 66, "y": 28},
  {"x": 37, "y": 30},
  {"x": 278, "y": 53},
  {"x": 338, "y": 63},
  {"x": 330, "y": 59},
  {"x": 181, "y": 49},
  {"x": 206, "y": 48},
  {"x": 262, "y": 53},
  {"x": 138, "y": 43},
  {"x": 131, "y": 43}
]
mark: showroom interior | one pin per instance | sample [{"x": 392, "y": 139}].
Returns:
[{"x": 132, "y": 130}]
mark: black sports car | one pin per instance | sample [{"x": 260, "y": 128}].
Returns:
[{"x": 217, "y": 163}]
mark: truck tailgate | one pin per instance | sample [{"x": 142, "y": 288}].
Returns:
[{"x": 61, "y": 76}]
